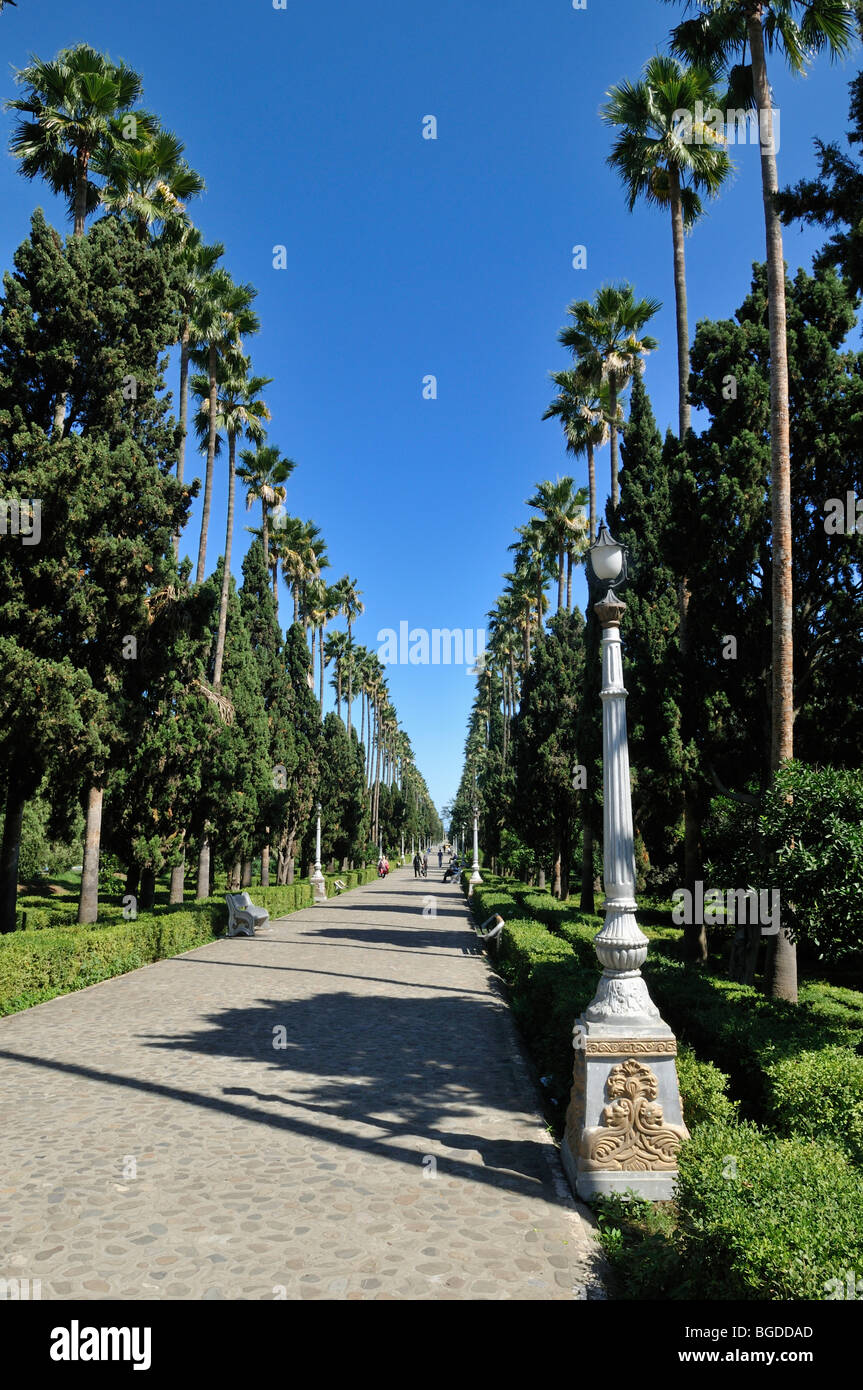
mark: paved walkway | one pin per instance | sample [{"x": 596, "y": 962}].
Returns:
[{"x": 336, "y": 1109}]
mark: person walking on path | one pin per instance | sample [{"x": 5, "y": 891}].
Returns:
[
  {"x": 439, "y": 858},
  {"x": 417, "y": 865},
  {"x": 425, "y": 864}
]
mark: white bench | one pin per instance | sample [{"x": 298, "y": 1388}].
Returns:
[
  {"x": 340, "y": 886},
  {"x": 243, "y": 916}
]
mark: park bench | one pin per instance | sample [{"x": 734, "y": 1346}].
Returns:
[
  {"x": 243, "y": 916},
  {"x": 340, "y": 886}
]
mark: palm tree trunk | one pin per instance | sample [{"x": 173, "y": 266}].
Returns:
[
  {"x": 226, "y": 573},
  {"x": 560, "y": 572},
  {"x": 276, "y": 585},
  {"x": 265, "y": 532},
  {"x": 296, "y": 593},
  {"x": 684, "y": 412},
  {"x": 612, "y": 410},
  {"x": 184, "y": 413},
  {"x": 350, "y": 675},
  {"x": 569, "y": 581},
  {"x": 322, "y": 662},
  {"x": 211, "y": 454},
  {"x": 9, "y": 853},
  {"x": 591, "y": 488},
  {"x": 88, "y": 903},
  {"x": 782, "y": 965},
  {"x": 82, "y": 161},
  {"x": 265, "y": 866}
]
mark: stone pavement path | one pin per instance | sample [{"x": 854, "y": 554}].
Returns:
[{"x": 336, "y": 1109}]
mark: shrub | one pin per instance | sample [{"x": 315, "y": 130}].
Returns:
[
  {"x": 819, "y": 1094},
  {"x": 702, "y": 1090},
  {"x": 764, "y": 1218}
]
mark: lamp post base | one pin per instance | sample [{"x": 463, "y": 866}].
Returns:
[
  {"x": 319, "y": 887},
  {"x": 624, "y": 1125}
]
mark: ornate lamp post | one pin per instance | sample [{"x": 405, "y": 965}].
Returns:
[
  {"x": 318, "y": 882},
  {"x": 475, "y": 876},
  {"x": 624, "y": 1124}
]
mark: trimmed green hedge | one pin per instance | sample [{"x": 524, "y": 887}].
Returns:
[
  {"x": 765, "y": 1218},
  {"x": 39, "y": 964},
  {"x": 819, "y": 1095}
]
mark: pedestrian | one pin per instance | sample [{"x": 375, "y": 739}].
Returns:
[
  {"x": 439, "y": 858},
  {"x": 417, "y": 865},
  {"x": 425, "y": 864}
]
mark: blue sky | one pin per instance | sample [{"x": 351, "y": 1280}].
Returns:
[{"x": 408, "y": 257}]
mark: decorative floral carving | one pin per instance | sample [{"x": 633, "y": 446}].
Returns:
[
  {"x": 626, "y": 1047},
  {"x": 633, "y": 1134}
]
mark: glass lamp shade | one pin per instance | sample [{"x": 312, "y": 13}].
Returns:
[{"x": 606, "y": 555}]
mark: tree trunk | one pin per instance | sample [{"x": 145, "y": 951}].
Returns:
[
  {"x": 88, "y": 903},
  {"x": 350, "y": 677},
  {"x": 265, "y": 867},
  {"x": 587, "y": 901},
  {"x": 226, "y": 573},
  {"x": 203, "y": 887},
  {"x": 560, "y": 578},
  {"x": 782, "y": 967},
  {"x": 569, "y": 581},
  {"x": 178, "y": 881},
  {"x": 276, "y": 585},
  {"x": 541, "y": 879},
  {"x": 133, "y": 880},
  {"x": 247, "y": 874},
  {"x": 322, "y": 661},
  {"x": 82, "y": 160},
  {"x": 236, "y": 876},
  {"x": 9, "y": 852},
  {"x": 184, "y": 413},
  {"x": 612, "y": 410},
  {"x": 591, "y": 489},
  {"x": 684, "y": 412},
  {"x": 148, "y": 890},
  {"x": 59, "y": 416},
  {"x": 211, "y": 454}
]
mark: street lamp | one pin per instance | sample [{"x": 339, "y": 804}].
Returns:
[
  {"x": 475, "y": 876},
  {"x": 318, "y": 881},
  {"x": 624, "y": 1124}
]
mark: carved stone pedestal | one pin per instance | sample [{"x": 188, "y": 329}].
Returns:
[{"x": 624, "y": 1125}]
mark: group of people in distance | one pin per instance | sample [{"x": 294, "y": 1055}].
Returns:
[{"x": 421, "y": 865}]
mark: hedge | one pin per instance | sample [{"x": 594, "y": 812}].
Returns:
[
  {"x": 819, "y": 1094},
  {"x": 41, "y": 963},
  {"x": 766, "y": 1218}
]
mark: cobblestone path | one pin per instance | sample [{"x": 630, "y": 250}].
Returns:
[{"x": 337, "y": 1109}]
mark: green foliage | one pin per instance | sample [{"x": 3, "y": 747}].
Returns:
[
  {"x": 765, "y": 1218},
  {"x": 703, "y": 1090},
  {"x": 819, "y": 1094}
]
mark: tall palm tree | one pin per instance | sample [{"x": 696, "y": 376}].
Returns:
[
  {"x": 223, "y": 316},
  {"x": 195, "y": 262},
  {"x": 264, "y": 472},
  {"x": 562, "y": 525},
  {"x": 583, "y": 410},
  {"x": 148, "y": 180},
  {"x": 297, "y": 556},
  {"x": 720, "y": 32},
  {"x": 336, "y": 651},
  {"x": 535, "y": 562},
  {"x": 239, "y": 414},
  {"x": 608, "y": 339},
  {"x": 352, "y": 607},
  {"x": 71, "y": 116},
  {"x": 656, "y": 163}
]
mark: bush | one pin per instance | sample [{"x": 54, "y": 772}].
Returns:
[
  {"x": 819, "y": 1094},
  {"x": 763, "y": 1218},
  {"x": 702, "y": 1090}
]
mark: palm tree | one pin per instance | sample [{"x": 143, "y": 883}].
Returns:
[
  {"x": 336, "y": 650},
  {"x": 584, "y": 413},
  {"x": 297, "y": 557},
  {"x": 352, "y": 607},
  {"x": 655, "y": 163},
  {"x": 195, "y": 262},
  {"x": 263, "y": 473},
  {"x": 721, "y": 31},
  {"x": 535, "y": 565},
  {"x": 562, "y": 525},
  {"x": 223, "y": 316},
  {"x": 148, "y": 180},
  {"x": 72, "y": 115},
  {"x": 605, "y": 337},
  {"x": 239, "y": 413}
]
